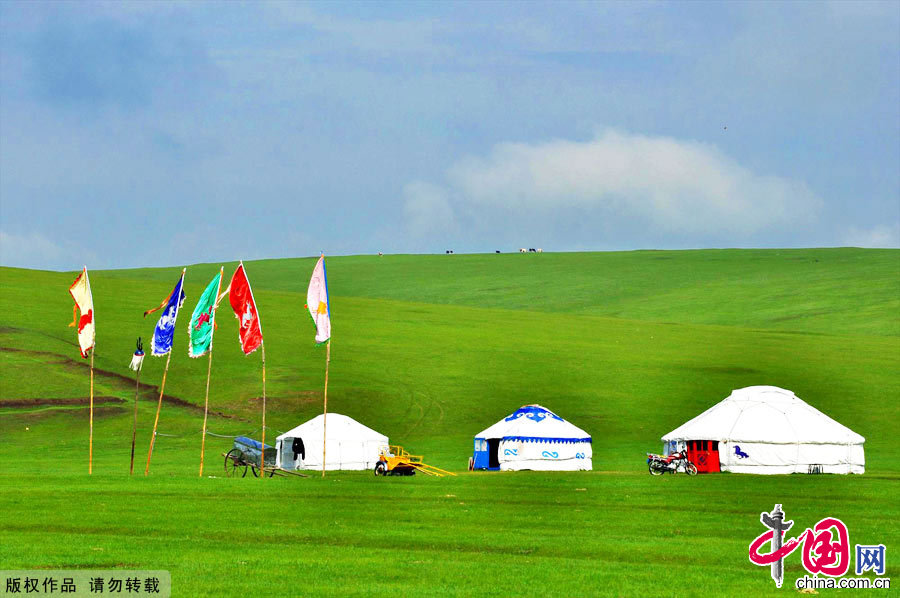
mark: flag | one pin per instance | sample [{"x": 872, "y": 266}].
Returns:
[
  {"x": 317, "y": 302},
  {"x": 202, "y": 321},
  {"x": 84, "y": 303},
  {"x": 164, "y": 334},
  {"x": 241, "y": 298},
  {"x": 138, "y": 359}
]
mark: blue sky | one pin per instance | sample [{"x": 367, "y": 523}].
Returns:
[{"x": 150, "y": 134}]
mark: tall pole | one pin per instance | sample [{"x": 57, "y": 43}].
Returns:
[
  {"x": 162, "y": 388},
  {"x": 209, "y": 369},
  {"x": 137, "y": 390},
  {"x": 262, "y": 454},
  {"x": 325, "y": 412},
  {"x": 205, "y": 411},
  {"x": 91, "y": 440}
]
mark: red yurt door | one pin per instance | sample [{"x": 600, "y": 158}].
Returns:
[{"x": 704, "y": 454}]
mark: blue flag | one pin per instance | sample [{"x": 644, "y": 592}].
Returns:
[{"x": 164, "y": 335}]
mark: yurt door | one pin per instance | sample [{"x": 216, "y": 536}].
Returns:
[
  {"x": 284, "y": 455},
  {"x": 493, "y": 453},
  {"x": 704, "y": 454}
]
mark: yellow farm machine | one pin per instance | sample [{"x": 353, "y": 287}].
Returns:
[{"x": 396, "y": 461}]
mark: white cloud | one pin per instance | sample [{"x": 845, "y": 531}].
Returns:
[
  {"x": 672, "y": 186},
  {"x": 885, "y": 236}
]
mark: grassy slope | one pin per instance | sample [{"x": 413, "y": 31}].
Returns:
[{"x": 431, "y": 349}]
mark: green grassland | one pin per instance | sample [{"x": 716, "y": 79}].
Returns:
[{"x": 430, "y": 350}]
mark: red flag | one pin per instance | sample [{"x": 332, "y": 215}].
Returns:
[{"x": 241, "y": 298}]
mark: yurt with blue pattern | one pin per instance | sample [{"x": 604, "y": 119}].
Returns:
[{"x": 533, "y": 437}]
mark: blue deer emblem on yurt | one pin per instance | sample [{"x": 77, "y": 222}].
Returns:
[{"x": 739, "y": 453}]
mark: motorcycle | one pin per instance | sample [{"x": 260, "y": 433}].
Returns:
[{"x": 660, "y": 464}]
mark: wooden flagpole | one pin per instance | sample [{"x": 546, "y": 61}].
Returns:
[
  {"x": 325, "y": 412},
  {"x": 137, "y": 390},
  {"x": 162, "y": 388},
  {"x": 262, "y": 453},
  {"x": 209, "y": 369},
  {"x": 91, "y": 440},
  {"x": 205, "y": 410}
]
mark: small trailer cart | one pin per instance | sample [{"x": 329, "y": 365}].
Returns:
[
  {"x": 246, "y": 454},
  {"x": 396, "y": 461}
]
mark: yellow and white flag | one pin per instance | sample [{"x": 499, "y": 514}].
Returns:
[
  {"x": 84, "y": 303},
  {"x": 317, "y": 302}
]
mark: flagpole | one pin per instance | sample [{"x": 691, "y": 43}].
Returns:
[
  {"x": 162, "y": 388},
  {"x": 209, "y": 369},
  {"x": 262, "y": 457},
  {"x": 137, "y": 390},
  {"x": 205, "y": 411},
  {"x": 91, "y": 440},
  {"x": 325, "y": 412}
]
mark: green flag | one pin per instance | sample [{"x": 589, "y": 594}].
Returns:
[{"x": 203, "y": 320}]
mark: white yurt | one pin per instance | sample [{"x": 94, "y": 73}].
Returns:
[
  {"x": 350, "y": 445},
  {"x": 767, "y": 430},
  {"x": 533, "y": 438}
]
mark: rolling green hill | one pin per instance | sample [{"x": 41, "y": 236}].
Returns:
[{"x": 430, "y": 350}]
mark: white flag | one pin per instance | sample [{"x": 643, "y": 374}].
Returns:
[
  {"x": 317, "y": 302},
  {"x": 83, "y": 312}
]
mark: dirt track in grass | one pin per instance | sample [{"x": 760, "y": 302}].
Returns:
[
  {"x": 66, "y": 362},
  {"x": 56, "y": 402}
]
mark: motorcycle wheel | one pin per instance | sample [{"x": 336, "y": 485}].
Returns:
[
  {"x": 691, "y": 469},
  {"x": 654, "y": 470}
]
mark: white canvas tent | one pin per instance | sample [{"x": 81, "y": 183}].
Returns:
[
  {"x": 350, "y": 445},
  {"x": 769, "y": 430},
  {"x": 535, "y": 438}
]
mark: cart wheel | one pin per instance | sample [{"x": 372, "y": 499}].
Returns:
[
  {"x": 269, "y": 472},
  {"x": 380, "y": 468},
  {"x": 234, "y": 465}
]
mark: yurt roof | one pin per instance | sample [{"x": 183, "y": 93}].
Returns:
[
  {"x": 534, "y": 422},
  {"x": 338, "y": 426},
  {"x": 764, "y": 414}
]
